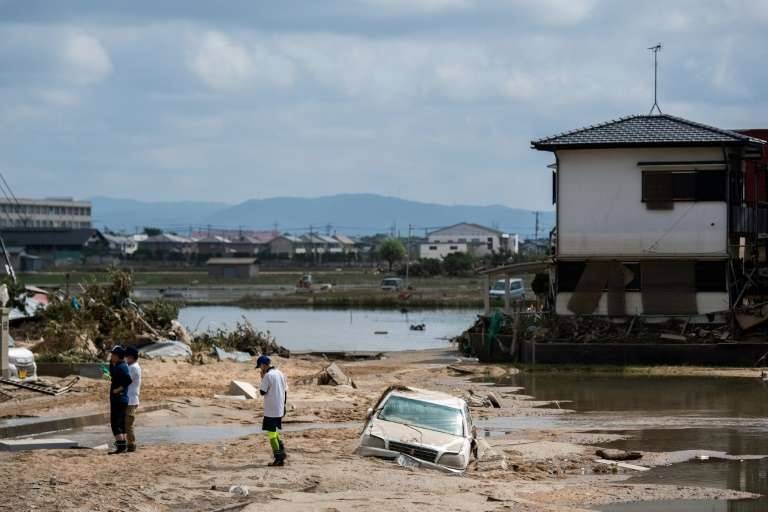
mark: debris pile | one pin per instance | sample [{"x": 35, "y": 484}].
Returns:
[
  {"x": 82, "y": 327},
  {"x": 505, "y": 329},
  {"x": 243, "y": 338},
  {"x": 334, "y": 375}
]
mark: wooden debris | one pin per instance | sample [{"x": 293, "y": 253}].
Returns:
[
  {"x": 622, "y": 465},
  {"x": 611, "y": 454},
  {"x": 334, "y": 375}
]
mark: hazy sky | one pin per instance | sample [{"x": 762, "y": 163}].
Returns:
[{"x": 433, "y": 100}]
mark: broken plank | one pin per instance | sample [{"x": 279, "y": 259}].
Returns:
[{"x": 623, "y": 465}]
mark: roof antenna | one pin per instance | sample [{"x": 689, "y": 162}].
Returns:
[{"x": 655, "y": 50}]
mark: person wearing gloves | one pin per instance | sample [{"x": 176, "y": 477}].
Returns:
[
  {"x": 118, "y": 397},
  {"x": 275, "y": 392}
]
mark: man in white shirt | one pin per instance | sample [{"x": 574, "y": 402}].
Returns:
[
  {"x": 275, "y": 392},
  {"x": 134, "y": 390}
]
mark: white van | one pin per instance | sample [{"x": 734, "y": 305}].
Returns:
[{"x": 516, "y": 289}]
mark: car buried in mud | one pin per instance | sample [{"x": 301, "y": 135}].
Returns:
[{"x": 434, "y": 428}]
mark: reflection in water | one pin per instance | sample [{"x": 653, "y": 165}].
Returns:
[
  {"x": 672, "y": 414},
  {"x": 335, "y": 329}
]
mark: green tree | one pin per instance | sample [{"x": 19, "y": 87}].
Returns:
[
  {"x": 392, "y": 250},
  {"x": 458, "y": 264},
  {"x": 150, "y": 231}
]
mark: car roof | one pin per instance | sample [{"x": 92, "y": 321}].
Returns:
[
  {"x": 511, "y": 280},
  {"x": 426, "y": 395}
]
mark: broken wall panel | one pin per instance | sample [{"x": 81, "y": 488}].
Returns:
[
  {"x": 590, "y": 287},
  {"x": 668, "y": 287}
]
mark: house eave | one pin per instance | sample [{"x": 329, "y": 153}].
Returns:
[{"x": 692, "y": 144}]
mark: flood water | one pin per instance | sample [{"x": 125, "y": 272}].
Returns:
[
  {"x": 690, "y": 415},
  {"x": 338, "y": 330}
]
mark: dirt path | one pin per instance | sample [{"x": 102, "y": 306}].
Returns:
[{"x": 546, "y": 470}]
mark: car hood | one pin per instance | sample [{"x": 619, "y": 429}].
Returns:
[
  {"x": 18, "y": 353},
  {"x": 409, "y": 434}
]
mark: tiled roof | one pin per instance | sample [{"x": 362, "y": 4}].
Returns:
[
  {"x": 644, "y": 130},
  {"x": 50, "y": 237}
]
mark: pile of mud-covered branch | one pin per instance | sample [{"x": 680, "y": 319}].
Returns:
[{"x": 83, "y": 327}]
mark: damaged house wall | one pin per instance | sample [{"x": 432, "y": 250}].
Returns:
[{"x": 637, "y": 239}]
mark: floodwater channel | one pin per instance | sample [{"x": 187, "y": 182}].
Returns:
[
  {"x": 303, "y": 329},
  {"x": 725, "y": 419}
]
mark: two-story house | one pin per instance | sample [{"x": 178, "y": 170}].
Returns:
[
  {"x": 643, "y": 207},
  {"x": 469, "y": 238}
]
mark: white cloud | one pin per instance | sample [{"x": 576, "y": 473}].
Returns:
[
  {"x": 225, "y": 65},
  {"x": 85, "y": 59},
  {"x": 416, "y": 6}
]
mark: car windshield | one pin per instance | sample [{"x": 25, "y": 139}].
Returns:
[
  {"x": 418, "y": 413},
  {"x": 390, "y": 282},
  {"x": 513, "y": 285}
]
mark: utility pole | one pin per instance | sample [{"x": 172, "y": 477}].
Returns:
[
  {"x": 312, "y": 244},
  {"x": 408, "y": 256},
  {"x": 536, "y": 237}
]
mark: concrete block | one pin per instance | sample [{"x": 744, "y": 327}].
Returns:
[
  {"x": 18, "y": 445},
  {"x": 238, "y": 387}
]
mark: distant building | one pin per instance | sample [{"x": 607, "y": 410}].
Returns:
[
  {"x": 167, "y": 246},
  {"x": 286, "y": 246},
  {"x": 467, "y": 238},
  {"x": 233, "y": 268},
  {"x": 57, "y": 246},
  {"x": 121, "y": 245},
  {"x": 45, "y": 213}
]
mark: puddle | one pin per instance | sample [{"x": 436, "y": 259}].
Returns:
[
  {"x": 94, "y": 436},
  {"x": 686, "y": 415},
  {"x": 685, "y": 506}
]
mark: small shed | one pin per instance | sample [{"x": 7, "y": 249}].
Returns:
[{"x": 233, "y": 268}]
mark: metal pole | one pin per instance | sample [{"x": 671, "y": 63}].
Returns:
[
  {"x": 486, "y": 296},
  {"x": 4, "y": 342},
  {"x": 408, "y": 257}
]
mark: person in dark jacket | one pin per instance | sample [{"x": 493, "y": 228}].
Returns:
[{"x": 118, "y": 397}]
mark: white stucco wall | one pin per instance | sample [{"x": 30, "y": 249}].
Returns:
[
  {"x": 438, "y": 250},
  {"x": 600, "y": 208},
  {"x": 706, "y": 302}
]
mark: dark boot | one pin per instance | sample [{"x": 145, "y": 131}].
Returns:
[
  {"x": 131, "y": 448},
  {"x": 120, "y": 447},
  {"x": 283, "y": 453}
]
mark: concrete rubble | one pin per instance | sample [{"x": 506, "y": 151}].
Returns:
[{"x": 238, "y": 387}]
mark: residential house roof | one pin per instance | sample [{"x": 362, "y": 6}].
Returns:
[
  {"x": 644, "y": 130},
  {"x": 232, "y": 261},
  {"x": 470, "y": 224},
  {"x": 344, "y": 239},
  {"x": 51, "y": 237},
  {"x": 167, "y": 238}
]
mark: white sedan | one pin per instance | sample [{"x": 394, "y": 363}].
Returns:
[{"x": 435, "y": 428}]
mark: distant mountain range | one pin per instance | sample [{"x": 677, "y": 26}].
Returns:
[{"x": 353, "y": 214}]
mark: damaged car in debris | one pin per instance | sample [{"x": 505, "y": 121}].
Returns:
[{"x": 434, "y": 428}]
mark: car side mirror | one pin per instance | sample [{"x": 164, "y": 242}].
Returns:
[{"x": 368, "y": 413}]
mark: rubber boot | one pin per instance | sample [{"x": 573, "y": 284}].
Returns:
[
  {"x": 283, "y": 453},
  {"x": 131, "y": 448},
  {"x": 120, "y": 447}
]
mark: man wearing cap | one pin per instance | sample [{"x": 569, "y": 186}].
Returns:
[
  {"x": 274, "y": 390},
  {"x": 118, "y": 397},
  {"x": 134, "y": 390}
]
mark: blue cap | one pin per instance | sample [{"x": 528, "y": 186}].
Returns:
[
  {"x": 263, "y": 360},
  {"x": 118, "y": 351}
]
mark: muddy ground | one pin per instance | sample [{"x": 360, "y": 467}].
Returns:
[{"x": 545, "y": 470}]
